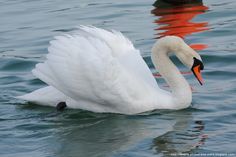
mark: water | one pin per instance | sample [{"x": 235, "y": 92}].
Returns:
[{"x": 208, "y": 126}]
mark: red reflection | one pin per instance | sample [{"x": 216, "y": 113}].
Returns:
[{"x": 177, "y": 20}]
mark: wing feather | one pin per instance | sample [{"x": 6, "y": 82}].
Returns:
[{"x": 86, "y": 66}]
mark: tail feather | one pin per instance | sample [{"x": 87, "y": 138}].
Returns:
[{"x": 47, "y": 96}]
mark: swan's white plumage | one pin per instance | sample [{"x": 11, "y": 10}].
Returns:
[{"x": 97, "y": 70}]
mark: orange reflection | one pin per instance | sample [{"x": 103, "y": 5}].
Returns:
[{"x": 175, "y": 19}]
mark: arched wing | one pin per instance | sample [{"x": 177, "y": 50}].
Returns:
[{"x": 84, "y": 67}]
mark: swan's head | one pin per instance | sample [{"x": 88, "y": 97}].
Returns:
[{"x": 186, "y": 54}]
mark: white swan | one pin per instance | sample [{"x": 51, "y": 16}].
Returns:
[{"x": 101, "y": 71}]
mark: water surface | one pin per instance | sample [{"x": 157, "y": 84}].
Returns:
[{"x": 208, "y": 126}]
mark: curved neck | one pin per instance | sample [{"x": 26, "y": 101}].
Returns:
[{"x": 181, "y": 91}]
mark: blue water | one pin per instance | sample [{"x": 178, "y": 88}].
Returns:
[{"x": 208, "y": 126}]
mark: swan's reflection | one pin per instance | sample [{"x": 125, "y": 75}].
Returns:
[
  {"x": 82, "y": 134},
  {"x": 90, "y": 134},
  {"x": 176, "y": 19}
]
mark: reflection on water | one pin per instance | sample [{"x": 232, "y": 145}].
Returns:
[
  {"x": 177, "y": 20},
  {"x": 91, "y": 134},
  {"x": 186, "y": 137}
]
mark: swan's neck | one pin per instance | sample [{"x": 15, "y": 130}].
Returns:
[{"x": 180, "y": 89}]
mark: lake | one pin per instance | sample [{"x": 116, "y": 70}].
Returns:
[{"x": 207, "y": 127}]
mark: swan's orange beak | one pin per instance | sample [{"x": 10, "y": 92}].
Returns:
[
  {"x": 196, "y": 69},
  {"x": 197, "y": 73}
]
